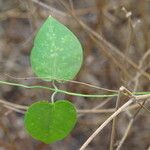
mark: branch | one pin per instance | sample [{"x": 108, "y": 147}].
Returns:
[{"x": 122, "y": 108}]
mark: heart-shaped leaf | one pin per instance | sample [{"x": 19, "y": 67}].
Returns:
[
  {"x": 50, "y": 122},
  {"x": 57, "y": 53}
]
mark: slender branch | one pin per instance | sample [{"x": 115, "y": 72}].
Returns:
[
  {"x": 105, "y": 123},
  {"x": 6, "y": 103},
  {"x": 71, "y": 81},
  {"x": 94, "y": 108},
  {"x": 65, "y": 92},
  {"x": 125, "y": 135},
  {"x": 14, "y": 109},
  {"x": 129, "y": 127},
  {"x": 146, "y": 54},
  {"x": 58, "y": 90},
  {"x": 123, "y": 107},
  {"x": 109, "y": 110},
  {"x": 80, "y": 111},
  {"x": 104, "y": 42},
  {"x": 114, "y": 123}
]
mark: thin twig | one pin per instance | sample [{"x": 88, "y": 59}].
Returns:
[
  {"x": 82, "y": 112},
  {"x": 125, "y": 135},
  {"x": 104, "y": 42},
  {"x": 59, "y": 90},
  {"x": 14, "y": 109},
  {"x": 141, "y": 105},
  {"x": 71, "y": 81},
  {"x": 105, "y": 123},
  {"x": 109, "y": 110},
  {"x": 129, "y": 127},
  {"x": 114, "y": 123},
  {"x": 13, "y": 105},
  {"x": 144, "y": 107},
  {"x": 133, "y": 99}
]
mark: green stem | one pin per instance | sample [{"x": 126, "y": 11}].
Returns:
[{"x": 66, "y": 92}]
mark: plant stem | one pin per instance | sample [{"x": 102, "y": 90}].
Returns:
[{"x": 67, "y": 92}]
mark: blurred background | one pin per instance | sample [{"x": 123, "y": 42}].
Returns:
[{"x": 115, "y": 36}]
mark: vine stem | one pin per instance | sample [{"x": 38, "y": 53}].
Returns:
[
  {"x": 71, "y": 81},
  {"x": 66, "y": 92},
  {"x": 56, "y": 90}
]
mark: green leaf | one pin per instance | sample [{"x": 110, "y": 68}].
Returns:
[
  {"x": 57, "y": 53},
  {"x": 50, "y": 122}
]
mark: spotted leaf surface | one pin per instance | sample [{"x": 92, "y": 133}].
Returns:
[
  {"x": 57, "y": 53},
  {"x": 49, "y": 122}
]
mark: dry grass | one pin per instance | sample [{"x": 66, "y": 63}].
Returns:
[{"x": 115, "y": 36}]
